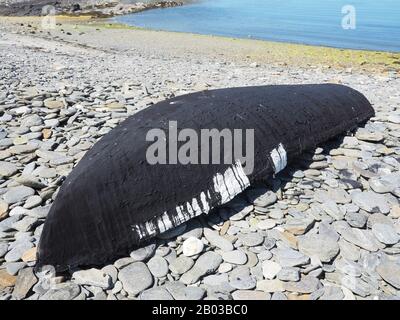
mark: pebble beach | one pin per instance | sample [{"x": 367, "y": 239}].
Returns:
[{"x": 325, "y": 228}]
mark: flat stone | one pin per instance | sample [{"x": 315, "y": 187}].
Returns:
[
  {"x": 317, "y": 245},
  {"x": 270, "y": 269},
  {"x": 224, "y": 267},
  {"x": 92, "y": 277},
  {"x": 356, "y": 285},
  {"x": 14, "y": 267},
  {"x": 390, "y": 272},
  {"x": 348, "y": 267},
  {"x": 271, "y": 286},
  {"x": 205, "y": 264},
  {"x": 218, "y": 241},
  {"x": 3, "y": 209},
  {"x": 25, "y": 282},
  {"x": 31, "y": 181},
  {"x": 7, "y": 169},
  {"x": 31, "y": 121},
  {"x": 276, "y": 214},
  {"x": 192, "y": 246},
  {"x": 290, "y": 258},
  {"x": 6, "y": 224},
  {"x": 62, "y": 291},
  {"x": 22, "y": 149},
  {"x": 266, "y": 224},
  {"x": 29, "y": 255},
  {"x": 6, "y": 280},
  {"x": 135, "y": 278},
  {"x": 289, "y": 274},
  {"x": 361, "y": 238},
  {"x": 371, "y": 202},
  {"x": 158, "y": 266},
  {"x": 25, "y": 224},
  {"x": 17, "y": 252},
  {"x": 307, "y": 284},
  {"x": 365, "y": 135},
  {"x": 340, "y": 196},
  {"x": 251, "y": 239},
  {"x": 298, "y": 226},
  {"x": 181, "y": 264},
  {"x": 332, "y": 293},
  {"x": 349, "y": 250},
  {"x": 356, "y": 219},
  {"x": 17, "y": 194},
  {"x": 242, "y": 282},
  {"x": 261, "y": 197},
  {"x": 394, "y": 118},
  {"x": 250, "y": 295},
  {"x": 53, "y": 104},
  {"x": 156, "y": 293},
  {"x": 332, "y": 209},
  {"x": 3, "y": 249},
  {"x": 386, "y": 183},
  {"x": 385, "y": 233},
  {"x": 278, "y": 296},
  {"x": 143, "y": 253},
  {"x": 180, "y": 292},
  {"x": 235, "y": 257}
]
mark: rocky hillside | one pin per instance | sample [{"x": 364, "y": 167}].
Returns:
[{"x": 93, "y": 7}]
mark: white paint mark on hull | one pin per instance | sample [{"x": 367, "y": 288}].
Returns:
[
  {"x": 226, "y": 185},
  {"x": 279, "y": 158}
]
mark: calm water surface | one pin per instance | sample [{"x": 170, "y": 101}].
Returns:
[{"x": 315, "y": 22}]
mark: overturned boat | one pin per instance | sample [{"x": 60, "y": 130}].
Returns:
[{"x": 151, "y": 173}]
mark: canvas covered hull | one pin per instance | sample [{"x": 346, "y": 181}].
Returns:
[{"x": 114, "y": 198}]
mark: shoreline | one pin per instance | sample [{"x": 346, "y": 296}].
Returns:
[
  {"x": 128, "y": 26},
  {"x": 239, "y": 49}
]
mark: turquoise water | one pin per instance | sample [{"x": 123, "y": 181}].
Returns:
[{"x": 315, "y": 22}]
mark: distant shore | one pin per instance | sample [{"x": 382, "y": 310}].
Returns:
[{"x": 99, "y": 8}]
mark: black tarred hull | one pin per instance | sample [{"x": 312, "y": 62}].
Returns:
[{"x": 113, "y": 199}]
